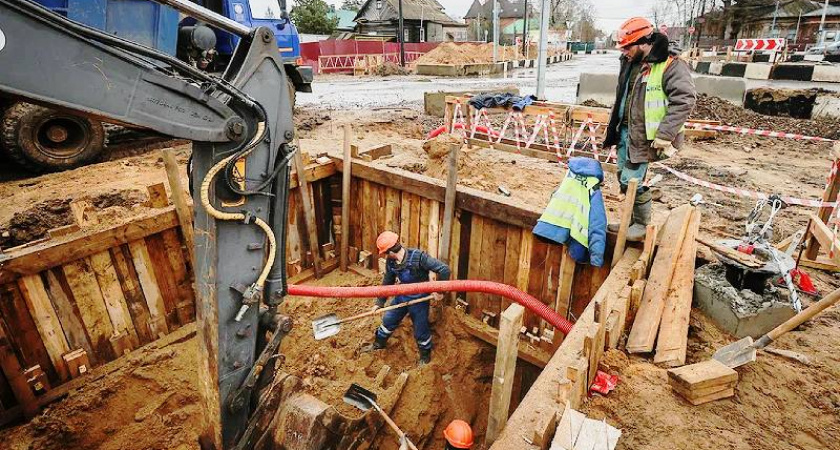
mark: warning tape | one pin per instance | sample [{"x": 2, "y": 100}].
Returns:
[
  {"x": 745, "y": 192},
  {"x": 751, "y": 131}
]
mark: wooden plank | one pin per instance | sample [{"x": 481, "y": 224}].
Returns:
[
  {"x": 425, "y": 219},
  {"x": 356, "y": 220},
  {"x": 513, "y": 245},
  {"x": 672, "y": 343},
  {"x": 308, "y": 214},
  {"x": 434, "y": 229},
  {"x": 476, "y": 237},
  {"x": 581, "y": 291},
  {"x": 646, "y": 325},
  {"x": 11, "y": 367},
  {"x": 149, "y": 285},
  {"x": 490, "y": 267},
  {"x": 166, "y": 283},
  {"x": 565, "y": 282},
  {"x": 35, "y": 294},
  {"x": 392, "y": 209},
  {"x": 40, "y": 257},
  {"x": 552, "y": 276},
  {"x": 702, "y": 375},
  {"x": 537, "y": 279},
  {"x": 525, "y": 250},
  {"x": 67, "y": 312},
  {"x": 63, "y": 231},
  {"x": 112, "y": 293},
  {"x": 503, "y": 373},
  {"x": 455, "y": 252},
  {"x": 136, "y": 302},
  {"x": 527, "y": 353},
  {"x": 345, "y": 200},
  {"x": 822, "y": 216},
  {"x": 447, "y": 235},
  {"x": 181, "y": 274},
  {"x": 309, "y": 273},
  {"x": 182, "y": 204},
  {"x": 824, "y": 238},
  {"x": 405, "y": 216},
  {"x": 415, "y": 221},
  {"x": 91, "y": 304},
  {"x": 22, "y": 332},
  {"x": 624, "y": 224},
  {"x": 821, "y": 264}
]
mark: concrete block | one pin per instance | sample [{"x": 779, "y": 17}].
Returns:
[
  {"x": 826, "y": 106},
  {"x": 758, "y": 71},
  {"x": 830, "y": 74},
  {"x": 731, "y": 89},
  {"x": 715, "y": 68},
  {"x": 439, "y": 70},
  {"x": 797, "y": 72},
  {"x": 725, "y": 305},
  {"x": 597, "y": 86},
  {"x": 702, "y": 67},
  {"x": 434, "y": 102},
  {"x": 733, "y": 70}
]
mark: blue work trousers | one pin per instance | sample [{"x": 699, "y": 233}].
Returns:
[
  {"x": 419, "y": 314},
  {"x": 626, "y": 169}
]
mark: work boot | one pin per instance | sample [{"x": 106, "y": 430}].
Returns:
[
  {"x": 425, "y": 356},
  {"x": 641, "y": 218},
  {"x": 377, "y": 344}
]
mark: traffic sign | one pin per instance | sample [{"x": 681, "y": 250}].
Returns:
[{"x": 774, "y": 44}]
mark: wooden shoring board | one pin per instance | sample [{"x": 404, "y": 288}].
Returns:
[
  {"x": 136, "y": 301},
  {"x": 565, "y": 282},
  {"x": 510, "y": 321},
  {"x": 434, "y": 229},
  {"x": 392, "y": 210},
  {"x": 11, "y": 367},
  {"x": 46, "y": 320},
  {"x": 672, "y": 343},
  {"x": 405, "y": 216},
  {"x": 414, "y": 221},
  {"x": 545, "y": 393},
  {"x": 67, "y": 312},
  {"x": 513, "y": 245},
  {"x": 527, "y": 352},
  {"x": 149, "y": 285},
  {"x": 167, "y": 284},
  {"x": 646, "y": 325},
  {"x": 476, "y": 299},
  {"x": 425, "y": 219},
  {"x": 112, "y": 292},
  {"x": 91, "y": 304},
  {"x": 537, "y": 280},
  {"x": 824, "y": 238}
]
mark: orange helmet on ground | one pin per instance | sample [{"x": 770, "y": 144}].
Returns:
[
  {"x": 459, "y": 434},
  {"x": 632, "y": 30},
  {"x": 386, "y": 240}
]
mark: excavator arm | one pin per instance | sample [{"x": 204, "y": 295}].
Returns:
[{"x": 241, "y": 126}]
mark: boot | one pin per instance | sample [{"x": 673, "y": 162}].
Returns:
[
  {"x": 641, "y": 218},
  {"x": 377, "y": 344},
  {"x": 425, "y": 356}
]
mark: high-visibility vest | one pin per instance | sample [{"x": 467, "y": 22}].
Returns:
[
  {"x": 569, "y": 206},
  {"x": 656, "y": 102}
]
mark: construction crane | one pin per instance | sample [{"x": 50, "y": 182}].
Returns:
[{"x": 241, "y": 127}]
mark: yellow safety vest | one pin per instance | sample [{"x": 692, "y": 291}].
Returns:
[
  {"x": 656, "y": 102},
  {"x": 569, "y": 206}
]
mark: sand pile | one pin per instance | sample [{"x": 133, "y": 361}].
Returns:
[{"x": 466, "y": 53}]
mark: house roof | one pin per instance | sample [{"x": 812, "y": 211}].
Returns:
[
  {"x": 517, "y": 26},
  {"x": 427, "y": 10},
  {"x": 792, "y": 9},
  {"x": 832, "y": 11},
  {"x": 507, "y": 9},
  {"x": 345, "y": 19}
]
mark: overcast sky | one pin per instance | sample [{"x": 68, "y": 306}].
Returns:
[{"x": 608, "y": 13}]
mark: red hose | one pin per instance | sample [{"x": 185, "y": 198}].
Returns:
[
  {"x": 487, "y": 287},
  {"x": 480, "y": 128}
]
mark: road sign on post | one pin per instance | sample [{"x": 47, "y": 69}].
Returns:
[{"x": 770, "y": 45}]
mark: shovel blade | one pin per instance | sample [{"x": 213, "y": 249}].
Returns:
[
  {"x": 325, "y": 326},
  {"x": 737, "y": 353},
  {"x": 359, "y": 397}
]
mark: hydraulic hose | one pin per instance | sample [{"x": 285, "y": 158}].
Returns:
[{"x": 487, "y": 287}]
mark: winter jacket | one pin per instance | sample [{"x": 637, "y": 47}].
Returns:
[
  {"x": 504, "y": 100},
  {"x": 414, "y": 269},
  {"x": 678, "y": 86},
  {"x": 597, "y": 226}
]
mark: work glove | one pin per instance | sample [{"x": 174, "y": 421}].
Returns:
[
  {"x": 664, "y": 148},
  {"x": 403, "y": 443}
]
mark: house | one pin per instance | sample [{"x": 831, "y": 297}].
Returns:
[
  {"x": 345, "y": 19},
  {"x": 423, "y": 21},
  {"x": 480, "y": 19}
]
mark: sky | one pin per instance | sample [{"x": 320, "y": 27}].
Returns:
[{"x": 609, "y": 14}]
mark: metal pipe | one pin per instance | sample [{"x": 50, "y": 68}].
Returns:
[
  {"x": 822, "y": 23},
  {"x": 205, "y": 15},
  {"x": 543, "y": 50}
]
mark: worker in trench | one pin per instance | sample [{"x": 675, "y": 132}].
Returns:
[
  {"x": 408, "y": 265},
  {"x": 654, "y": 98},
  {"x": 458, "y": 435}
]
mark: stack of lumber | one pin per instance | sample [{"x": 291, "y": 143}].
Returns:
[
  {"x": 665, "y": 306},
  {"x": 578, "y": 432},
  {"x": 703, "y": 382}
]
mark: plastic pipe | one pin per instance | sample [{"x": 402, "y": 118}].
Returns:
[{"x": 487, "y": 287}]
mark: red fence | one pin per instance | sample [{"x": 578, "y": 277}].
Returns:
[{"x": 313, "y": 52}]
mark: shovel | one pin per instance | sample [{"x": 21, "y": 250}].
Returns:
[
  {"x": 744, "y": 351},
  {"x": 329, "y": 325},
  {"x": 365, "y": 400}
]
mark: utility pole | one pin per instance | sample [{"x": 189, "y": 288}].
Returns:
[
  {"x": 822, "y": 23},
  {"x": 798, "y": 22},
  {"x": 773, "y": 26},
  {"x": 495, "y": 30},
  {"x": 525, "y": 30},
  {"x": 401, "y": 36},
  {"x": 542, "y": 54}
]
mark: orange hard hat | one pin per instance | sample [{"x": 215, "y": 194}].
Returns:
[
  {"x": 386, "y": 240},
  {"x": 459, "y": 434},
  {"x": 632, "y": 30}
]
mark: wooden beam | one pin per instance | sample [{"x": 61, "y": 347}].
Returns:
[
  {"x": 308, "y": 214},
  {"x": 829, "y": 195},
  {"x": 626, "y": 216},
  {"x": 35, "y": 294},
  {"x": 543, "y": 395},
  {"x": 10, "y": 365},
  {"x": 314, "y": 171},
  {"x": 309, "y": 273},
  {"x": 183, "y": 206},
  {"x": 449, "y": 203},
  {"x": 672, "y": 343},
  {"x": 490, "y": 335},
  {"x": 566, "y": 279},
  {"x": 506, "y": 352},
  {"x": 149, "y": 285},
  {"x": 40, "y": 257},
  {"x": 645, "y": 327},
  {"x": 825, "y": 238},
  {"x": 345, "y": 201}
]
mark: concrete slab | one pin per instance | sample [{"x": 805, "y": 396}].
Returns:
[
  {"x": 702, "y": 67},
  {"x": 829, "y": 74},
  {"x": 731, "y": 89},
  {"x": 797, "y": 72},
  {"x": 741, "y": 313},
  {"x": 715, "y": 68},
  {"x": 758, "y": 71},
  {"x": 733, "y": 69},
  {"x": 826, "y": 106},
  {"x": 434, "y": 102},
  {"x": 440, "y": 70},
  {"x": 597, "y": 86}
]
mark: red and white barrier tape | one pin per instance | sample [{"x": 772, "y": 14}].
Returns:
[{"x": 751, "y": 131}]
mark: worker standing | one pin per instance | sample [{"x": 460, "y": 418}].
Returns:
[
  {"x": 654, "y": 98},
  {"x": 408, "y": 265}
]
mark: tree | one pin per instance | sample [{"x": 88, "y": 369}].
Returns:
[
  {"x": 312, "y": 16},
  {"x": 352, "y": 5}
]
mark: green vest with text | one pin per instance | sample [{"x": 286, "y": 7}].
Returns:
[
  {"x": 569, "y": 206},
  {"x": 656, "y": 102}
]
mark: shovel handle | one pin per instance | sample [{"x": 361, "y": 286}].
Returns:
[
  {"x": 807, "y": 314},
  {"x": 387, "y": 308},
  {"x": 396, "y": 429}
]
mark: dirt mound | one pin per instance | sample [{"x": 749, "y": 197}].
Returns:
[
  {"x": 388, "y": 68},
  {"x": 714, "y": 108},
  {"x": 466, "y": 53},
  {"x": 593, "y": 104}
]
